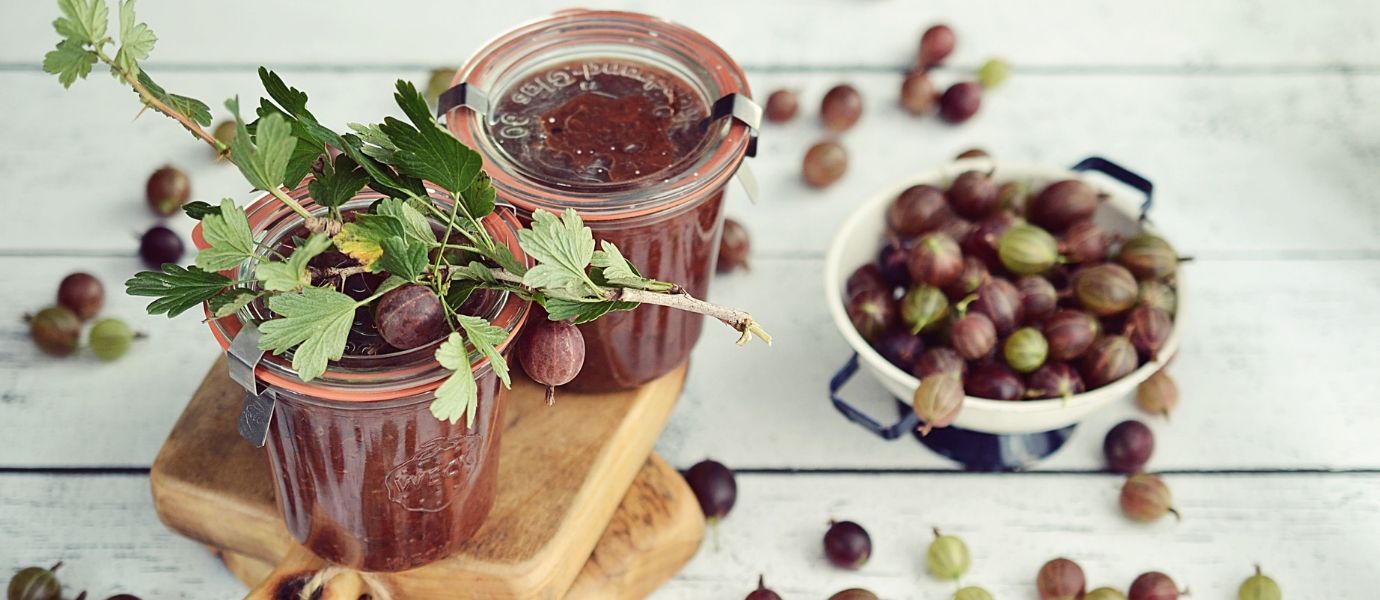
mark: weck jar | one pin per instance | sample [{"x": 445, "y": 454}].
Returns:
[
  {"x": 365, "y": 476},
  {"x": 636, "y": 123}
]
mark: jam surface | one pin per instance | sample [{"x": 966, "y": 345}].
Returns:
[{"x": 599, "y": 121}]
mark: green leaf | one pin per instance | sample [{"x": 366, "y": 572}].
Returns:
[
  {"x": 191, "y": 108},
  {"x": 563, "y": 249},
  {"x": 337, "y": 182},
  {"x": 292, "y": 104},
  {"x": 425, "y": 150},
  {"x": 458, "y": 395},
  {"x": 136, "y": 39},
  {"x": 85, "y": 21},
  {"x": 485, "y": 337},
  {"x": 292, "y": 275},
  {"x": 263, "y": 159},
  {"x": 227, "y": 232},
  {"x": 199, "y": 210},
  {"x": 479, "y": 198},
  {"x": 383, "y": 178},
  {"x": 404, "y": 259},
  {"x": 619, "y": 272},
  {"x": 414, "y": 223},
  {"x": 393, "y": 282},
  {"x": 377, "y": 144},
  {"x": 176, "y": 288},
  {"x": 315, "y": 321},
  {"x": 69, "y": 61},
  {"x": 231, "y": 301},
  {"x": 559, "y": 309},
  {"x": 306, "y": 152}
]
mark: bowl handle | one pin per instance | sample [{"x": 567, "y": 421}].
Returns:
[
  {"x": 1122, "y": 174},
  {"x": 907, "y": 423}
]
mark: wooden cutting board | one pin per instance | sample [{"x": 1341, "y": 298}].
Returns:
[{"x": 568, "y": 520}]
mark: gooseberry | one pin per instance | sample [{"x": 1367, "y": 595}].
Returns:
[
  {"x": 1084, "y": 242},
  {"x": 35, "y": 583},
  {"x": 715, "y": 488},
  {"x": 841, "y": 107},
  {"x": 224, "y": 132},
  {"x": 924, "y": 307},
  {"x": 110, "y": 339},
  {"x": 1055, "y": 380},
  {"x": 872, "y": 312},
  {"x": 824, "y": 163},
  {"x": 1001, "y": 302},
  {"x": 55, "y": 330},
  {"x": 939, "y": 360},
  {"x": 1259, "y": 587},
  {"x": 551, "y": 352},
  {"x": 438, "y": 81},
  {"x": 1104, "y": 593},
  {"x": 1027, "y": 250},
  {"x": 1108, "y": 359},
  {"x": 782, "y": 106},
  {"x": 847, "y": 544},
  {"x": 960, "y": 102},
  {"x": 891, "y": 260},
  {"x": 1158, "y": 395},
  {"x": 937, "y": 402},
  {"x": 734, "y": 247},
  {"x": 762, "y": 593},
  {"x": 918, "y": 95},
  {"x": 854, "y": 594},
  {"x": 973, "y": 194},
  {"x": 1070, "y": 333},
  {"x": 973, "y": 336},
  {"x": 167, "y": 190},
  {"x": 1159, "y": 295},
  {"x": 900, "y": 347},
  {"x": 1061, "y": 204},
  {"x": 918, "y": 209},
  {"x": 1148, "y": 328},
  {"x": 972, "y": 592},
  {"x": 994, "y": 382},
  {"x": 1153, "y": 586},
  {"x": 1038, "y": 297},
  {"x": 866, "y": 277},
  {"x": 936, "y": 44},
  {"x": 935, "y": 260},
  {"x": 983, "y": 241},
  {"x": 160, "y": 245},
  {"x": 972, "y": 153},
  {"x": 1013, "y": 196},
  {"x": 1145, "y": 498},
  {"x": 993, "y": 73},
  {"x": 82, "y": 294},
  {"x": 1128, "y": 447},
  {"x": 1060, "y": 579},
  {"x": 1025, "y": 350},
  {"x": 410, "y": 316},
  {"x": 1106, "y": 289},
  {"x": 947, "y": 557},
  {"x": 1148, "y": 257},
  {"x": 973, "y": 275}
]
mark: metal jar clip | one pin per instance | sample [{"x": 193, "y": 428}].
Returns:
[{"x": 243, "y": 358}]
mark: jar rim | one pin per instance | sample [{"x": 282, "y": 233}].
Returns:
[
  {"x": 380, "y": 383},
  {"x": 718, "y": 158}
]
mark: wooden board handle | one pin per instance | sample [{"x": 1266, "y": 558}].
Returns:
[{"x": 301, "y": 571}]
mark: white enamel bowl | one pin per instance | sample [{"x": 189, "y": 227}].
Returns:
[{"x": 860, "y": 239}]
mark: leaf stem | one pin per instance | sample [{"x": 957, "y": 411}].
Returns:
[
  {"x": 296, "y": 207},
  {"x": 153, "y": 102}
]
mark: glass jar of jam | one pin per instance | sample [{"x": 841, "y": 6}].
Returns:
[
  {"x": 366, "y": 477},
  {"x": 631, "y": 121}
]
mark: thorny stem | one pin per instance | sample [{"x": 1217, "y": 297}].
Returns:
[
  {"x": 153, "y": 102},
  {"x": 677, "y": 298}
]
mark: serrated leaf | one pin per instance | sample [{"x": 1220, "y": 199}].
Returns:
[
  {"x": 402, "y": 258},
  {"x": 413, "y": 221},
  {"x": 292, "y": 275},
  {"x": 426, "y": 151},
  {"x": 314, "y": 323},
  {"x": 559, "y": 309},
  {"x": 475, "y": 271},
  {"x": 362, "y": 239},
  {"x": 458, "y": 395},
  {"x": 337, "y": 182},
  {"x": 619, "y": 272},
  {"x": 262, "y": 159},
  {"x": 479, "y": 199},
  {"x": 136, "y": 39},
  {"x": 191, "y": 108},
  {"x": 383, "y": 178},
  {"x": 69, "y": 61},
  {"x": 231, "y": 241},
  {"x": 84, "y": 20},
  {"x": 377, "y": 144},
  {"x": 563, "y": 248},
  {"x": 176, "y": 288},
  {"x": 231, "y": 301},
  {"x": 198, "y": 209},
  {"x": 485, "y": 337}
]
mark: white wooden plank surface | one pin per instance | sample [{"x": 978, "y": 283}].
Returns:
[
  {"x": 1178, "y": 33},
  {"x": 1245, "y": 165},
  {"x": 1266, "y": 342},
  {"x": 1316, "y": 534}
]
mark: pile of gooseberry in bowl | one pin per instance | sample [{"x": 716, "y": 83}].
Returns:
[{"x": 1005, "y": 298}]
